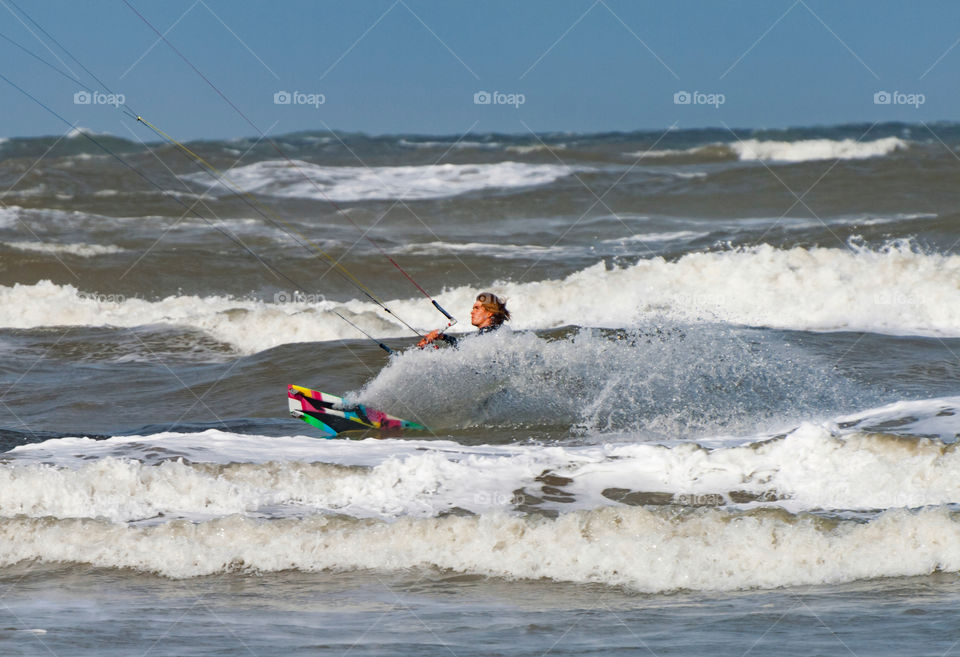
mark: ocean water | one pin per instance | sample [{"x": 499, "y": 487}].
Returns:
[{"x": 723, "y": 418}]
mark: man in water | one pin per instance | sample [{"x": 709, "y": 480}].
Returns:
[{"x": 489, "y": 312}]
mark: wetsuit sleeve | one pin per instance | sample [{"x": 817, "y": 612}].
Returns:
[{"x": 449, "y": 339}]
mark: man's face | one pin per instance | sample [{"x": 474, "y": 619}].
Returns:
[{"x": 479, "y": 314}]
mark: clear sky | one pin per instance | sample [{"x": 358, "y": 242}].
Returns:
[{"x": 412, "y": 66}]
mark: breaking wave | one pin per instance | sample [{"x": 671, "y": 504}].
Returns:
[
  {"x": 804, "y": 150},
  {"x": 894, "y": 290},
  {"x": 306, "y": 180},
  {"x": 818, "y": 505}
]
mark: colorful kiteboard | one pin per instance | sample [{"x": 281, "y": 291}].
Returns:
[{"x": 333, "y": 416}]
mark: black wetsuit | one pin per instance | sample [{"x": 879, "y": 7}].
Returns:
[{"x": 449, "y": 339}]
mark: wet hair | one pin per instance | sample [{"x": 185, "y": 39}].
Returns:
[{"x": 494, "y": 304}]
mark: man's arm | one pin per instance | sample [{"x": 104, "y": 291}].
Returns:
[{"x": 435, "y": 335}]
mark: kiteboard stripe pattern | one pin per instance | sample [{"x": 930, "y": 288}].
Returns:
[{"x": 333, "y": 416}]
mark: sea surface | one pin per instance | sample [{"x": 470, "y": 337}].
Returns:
[{"x": 724, "y": 416}]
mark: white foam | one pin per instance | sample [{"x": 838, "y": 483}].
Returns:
[
  {"x": 504, "y": 250},
  {"x": 668, "y": 236},
  {"x": 536, "y": 148},
  {"x": 809, "y": 469},
  {"x": 482, "y": 248},
  {"x": 895, "y": 290},
  {"x": 386, "y": 478},
  {"x": 79, "y": 249},
  {"x": 80, "y": 131},
  {"x": 255, "y": 503},
  {"x": 936, "y": 418},
  {"x": 9, "y": 214},
  {"x": 807, "y": 150},
  {"x": 421, "y": 485},
  {"x": 306, "y": 180},
  {"x": 247, "y": 325},
  {"x": 221, "y": 447},
  {"x": 803, "y": 150},
  {"x": 132, "y": 478},
  {"x": 456, "y": 145},
  {"x": 39, "y": 189},
  {"x": 637, "y": 548},
  {"x": 716, "y": 150}
]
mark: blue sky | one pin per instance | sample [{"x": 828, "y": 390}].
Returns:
[{"x": 409, "y": 66}]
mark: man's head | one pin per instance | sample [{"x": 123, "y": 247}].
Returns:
[{"x": 489, "y": 310}]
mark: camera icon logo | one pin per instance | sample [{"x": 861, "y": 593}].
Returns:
[
  {"x": 882, "y": 98},
  {"x": 82, "y": 98},
  {"x": 482, "y": 98},
  {"x": 282, "y": 98},
  {"x": 682, "y": 98}
]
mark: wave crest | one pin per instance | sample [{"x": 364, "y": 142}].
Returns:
[
  {"x": 643, "y": 550},
  {"x": 803, "y": 150},
  {"x": 306, "y": 180}
]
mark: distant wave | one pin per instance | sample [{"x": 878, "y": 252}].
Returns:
[
  {"x": 710, "y": 152},
  {"x": 456, "y": 145},
  {"x": 503, "y": 250},
  {"x": 80, "y": 131},
  {"x": 521, "y": 149},
  {"x": 535, "y": 148},
  {"x": 805, "y": 150},
  {"x": 816, "y": 149},
  {"x": 306, "y": 180},
  {"x": 80, "y": 249},
  {"x": 9, "y": 214}
]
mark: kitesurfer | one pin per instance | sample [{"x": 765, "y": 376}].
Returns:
[{"x": 489, "y": 312}]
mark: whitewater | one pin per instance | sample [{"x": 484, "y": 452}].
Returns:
[
  {"x": 713, "y": 409},
  {"x": 896, "y": 289}
]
